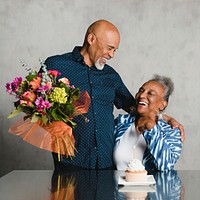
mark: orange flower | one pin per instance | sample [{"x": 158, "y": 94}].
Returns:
[{"x": 35, "y": 83}]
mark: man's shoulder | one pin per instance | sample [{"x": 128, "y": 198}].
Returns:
[
  {"x": 109, "y": 68},
  {"x": 64, "y": 56},
  {"x": 112, "y": 72},
  {"x": 59, "y": 60}
]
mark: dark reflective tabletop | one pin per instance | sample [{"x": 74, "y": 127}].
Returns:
[{"x": 96, "y": 185}]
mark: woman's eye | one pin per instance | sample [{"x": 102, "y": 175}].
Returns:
[
  {"x": 151, "y": 93},
  {"x": 140, "y": 90}
]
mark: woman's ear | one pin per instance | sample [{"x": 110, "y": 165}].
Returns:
[{"x": 163, "y": 105}]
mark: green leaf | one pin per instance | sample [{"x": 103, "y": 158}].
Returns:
[
  {"x": 69, "y": 122},
  {"x": 54, "y": 114},
  {"x": 75, "y": 94},
  {"x": 73, "y": 124},
  {"x": 30, "y": 77},
  {"x": 35, "y": 118},
  {"x": 14, "y": 113},
  {"x": 44, "y": 119},
  {"x": 68, "y": 109}
]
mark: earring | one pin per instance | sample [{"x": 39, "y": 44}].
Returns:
[{"x": 159, "y": 114}]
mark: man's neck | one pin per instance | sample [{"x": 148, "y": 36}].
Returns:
[{"x": 86, "y": 57}]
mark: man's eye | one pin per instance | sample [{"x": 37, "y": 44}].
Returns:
[{"x": 110, "y": 48}]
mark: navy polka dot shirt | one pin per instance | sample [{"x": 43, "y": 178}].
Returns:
[{"x": 95, "y": 139}]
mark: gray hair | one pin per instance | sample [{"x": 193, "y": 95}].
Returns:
[{"x": 167, "y": 84}]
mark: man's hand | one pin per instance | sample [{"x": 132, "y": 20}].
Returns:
[
  {"x": 175, "y": 124},
  {"x": 145, "y": 123}
]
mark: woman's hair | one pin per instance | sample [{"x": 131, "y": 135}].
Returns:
[{"x": 167, "y": 84}]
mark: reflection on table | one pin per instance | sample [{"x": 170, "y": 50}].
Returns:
[
  {"x": 168, "y": 186},
  {"x": 83, "y": 185},
  {"x": 95, "y": 185}
]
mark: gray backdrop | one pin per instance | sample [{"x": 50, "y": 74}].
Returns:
[{"x": 157, "y": 36}]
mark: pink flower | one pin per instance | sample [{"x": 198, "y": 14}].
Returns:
[
  {"x": 54, "y": 73},
  {"x": 29, "y": 96},
  {"x": 64, "y": 80},
  {"x": 28, "y": 103},
  {"x": 22, "y": 101}
]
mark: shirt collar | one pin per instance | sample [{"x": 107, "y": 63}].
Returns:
[
  {"x": 79, "y": 58},
  {"x": 77, "y": 55}
]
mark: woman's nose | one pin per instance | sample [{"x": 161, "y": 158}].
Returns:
[{"x": 142, "y": 94}]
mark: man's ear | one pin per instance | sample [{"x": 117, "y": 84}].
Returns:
[{"x": 91, "y": 38}]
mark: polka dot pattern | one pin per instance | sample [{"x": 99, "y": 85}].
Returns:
[{"x": 95, "y": 139}]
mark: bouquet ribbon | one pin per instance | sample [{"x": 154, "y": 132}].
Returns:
[{"x": 56, "y": 136}]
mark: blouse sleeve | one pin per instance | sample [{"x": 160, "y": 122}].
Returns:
[{"x": 164, "y": 144}]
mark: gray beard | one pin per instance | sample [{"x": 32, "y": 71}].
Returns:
[{"x": 98, "y": 65}]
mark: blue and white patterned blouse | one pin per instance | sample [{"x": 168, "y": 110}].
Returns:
[{"x": 163, "y": 144}]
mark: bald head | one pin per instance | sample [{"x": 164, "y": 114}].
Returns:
[
  {"x": 101, "y": 41},
  {"x": 100, "y": 28}
]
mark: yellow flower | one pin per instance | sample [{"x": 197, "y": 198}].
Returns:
[{"x": 59, "y": 95}]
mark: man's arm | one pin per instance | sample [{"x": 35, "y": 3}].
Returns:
[
  {"x": 175, "y": 124},
  {"x": 164, "y": 144}
]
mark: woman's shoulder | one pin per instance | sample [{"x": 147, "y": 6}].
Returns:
[
  {"x": 125, "y": 118},
  {"x": 167, "y": 127}
]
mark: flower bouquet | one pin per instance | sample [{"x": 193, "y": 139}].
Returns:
[{"x": 49, "y": 106}]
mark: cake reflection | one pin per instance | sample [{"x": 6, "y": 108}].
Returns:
[{"x": 168, "y": 186}]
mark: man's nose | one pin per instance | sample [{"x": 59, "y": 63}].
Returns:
[{"x": 111, "y": 53}]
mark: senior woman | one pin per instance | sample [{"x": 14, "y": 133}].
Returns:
[{"x": 145, "y": 135}]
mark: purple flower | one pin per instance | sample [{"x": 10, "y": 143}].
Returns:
[
  {"x": 40, "y": 75},
  {"x": 41, "y": 104},
  {"x": 13, "y": 87},
  {"x": 43, "y": 88},
  {"x": 8, "y": 87}
]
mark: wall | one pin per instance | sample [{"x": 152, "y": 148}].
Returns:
[{"x": 157, "y": 36}]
